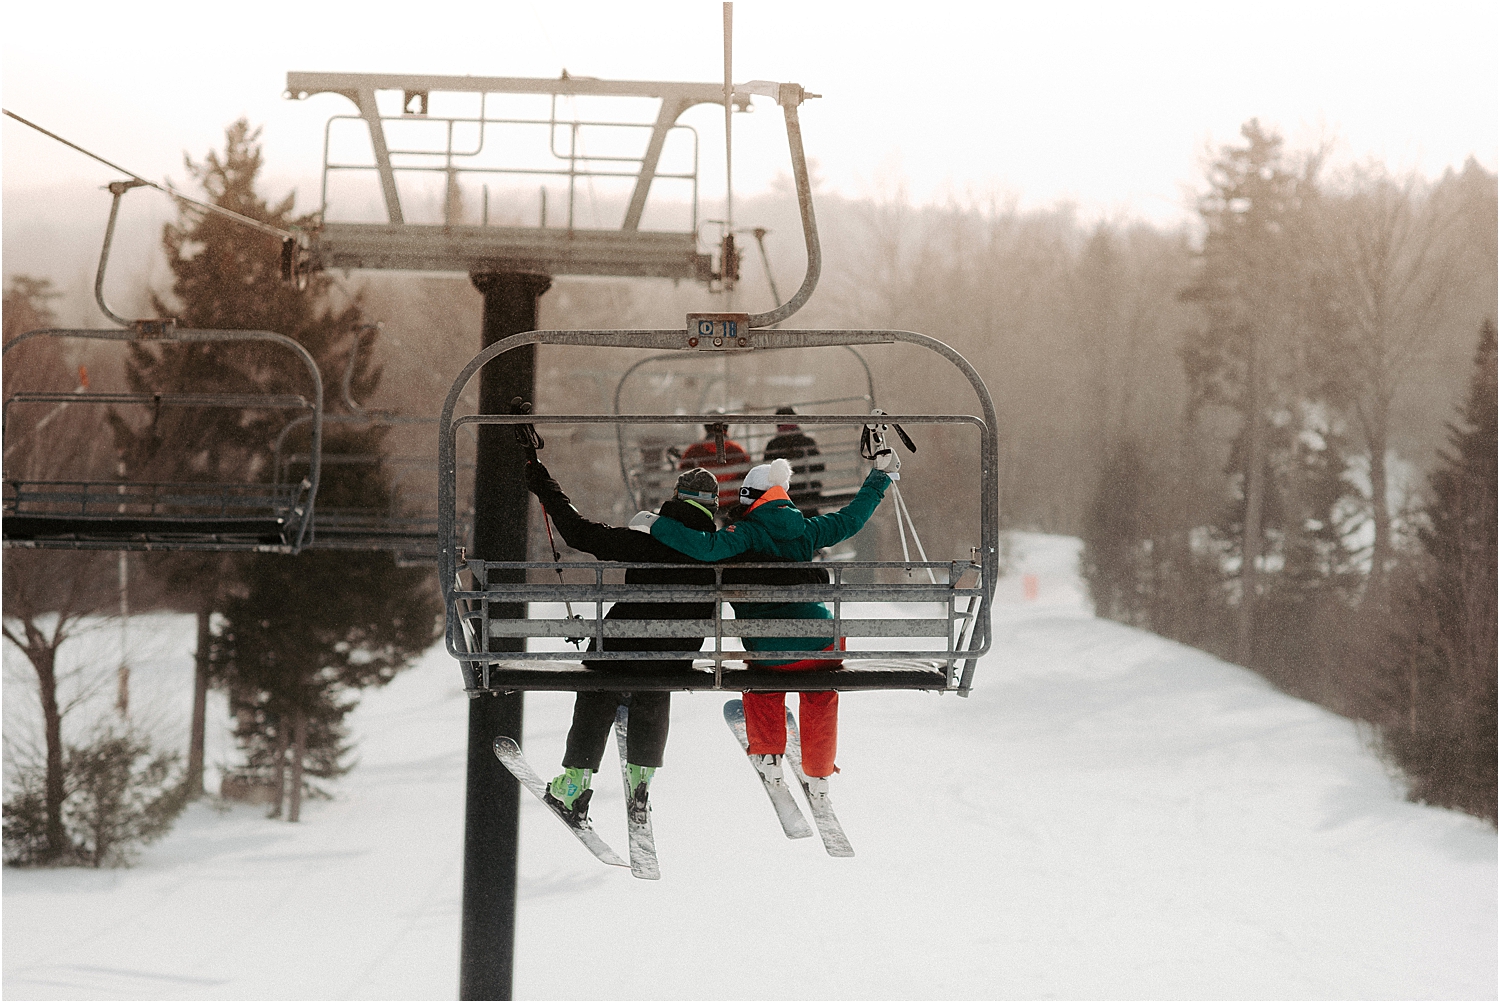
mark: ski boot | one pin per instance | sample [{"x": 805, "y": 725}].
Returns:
[
  {"x": 817, "y": 788},
  {"x": 770, "y": 768},
  {"x": 640, "y": 782},
  {"x": 569, "y": 792}
]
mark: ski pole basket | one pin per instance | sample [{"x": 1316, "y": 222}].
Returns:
[
  {"x": 901, "y": 624},
  {"x": 73, "y": 499}
]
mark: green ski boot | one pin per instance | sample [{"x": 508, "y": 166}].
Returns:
[
  {"x": 640, "y": 783},
  {"x": 569, "y": 792}
]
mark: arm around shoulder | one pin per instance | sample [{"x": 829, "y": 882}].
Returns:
[{"x": 703, "y": 546}]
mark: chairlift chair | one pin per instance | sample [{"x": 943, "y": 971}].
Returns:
[
  {"x": 709, "y": 384},
  {"x": 93, "y": 512},
  {"x": 929, "y": 637},
  {"x": 896, "y": 648},
  {"x": 407, "y": 525}
]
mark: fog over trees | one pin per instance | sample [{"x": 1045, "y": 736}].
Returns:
[{"x": 1263, "y": 426}]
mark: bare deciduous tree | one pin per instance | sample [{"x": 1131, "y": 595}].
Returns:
[{"x": 1392, "y": 273}]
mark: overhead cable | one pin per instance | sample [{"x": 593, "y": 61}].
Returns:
[{"x": 254, "y": 224}]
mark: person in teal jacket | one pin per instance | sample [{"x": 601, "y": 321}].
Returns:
[{"x": 771, "y": 524}]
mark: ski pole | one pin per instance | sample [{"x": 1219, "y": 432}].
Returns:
[
  {"x": 921, "y": 550},
  {"x": 557, "y": 561}
]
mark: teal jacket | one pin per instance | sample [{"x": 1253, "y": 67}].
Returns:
[{"x": 777, "y": 527}]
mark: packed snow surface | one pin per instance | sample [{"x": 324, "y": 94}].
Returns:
[{"x": 1110, "y": 815}]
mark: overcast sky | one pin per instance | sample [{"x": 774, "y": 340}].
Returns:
[{"x": 1107, "y": 105}]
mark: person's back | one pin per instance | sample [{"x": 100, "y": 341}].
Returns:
[
  {"x": 694, "y": 503},
  {"x": 769, "y": 523},
  {"x": 618, "y": 543},
  {"x": 792, "y": 444}
]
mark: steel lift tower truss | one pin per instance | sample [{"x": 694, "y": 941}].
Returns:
[{"x": 462, "y": 150}]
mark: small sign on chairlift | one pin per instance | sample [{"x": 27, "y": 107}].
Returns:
[{"x": 718, "y": 331}]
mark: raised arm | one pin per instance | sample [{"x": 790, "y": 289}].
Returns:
[
  {"x": 835, "y": 527},
  {"x": 608, "y": 543}
]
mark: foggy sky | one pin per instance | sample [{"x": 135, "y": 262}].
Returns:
[{"x": 1108, "y": 106}]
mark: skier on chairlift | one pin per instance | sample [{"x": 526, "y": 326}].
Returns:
[
  {"x": 793, "y": 444},
  {"x": 769, "y": 523},
  {"x": 694, "y": 504},
  {"x": 705, "y": 453}
]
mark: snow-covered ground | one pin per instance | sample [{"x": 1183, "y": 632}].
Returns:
[{"x": 1110, "y": 815}]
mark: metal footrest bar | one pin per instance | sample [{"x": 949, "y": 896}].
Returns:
[{"x": 889, "y": 674}]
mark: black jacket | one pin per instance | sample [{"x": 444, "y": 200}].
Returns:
[
  {"x": 805, "y": 492},
  {"x": 619, "y": 543}
]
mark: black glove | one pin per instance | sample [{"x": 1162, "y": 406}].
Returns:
[{"x": 539, "y": 481}]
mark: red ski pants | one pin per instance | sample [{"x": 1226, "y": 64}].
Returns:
[{"x": 817, "y": 720}]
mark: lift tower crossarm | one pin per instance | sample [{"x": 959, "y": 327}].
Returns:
[
  {"x": 455, "y": 246},
  {"x": 300, "y": 85}
]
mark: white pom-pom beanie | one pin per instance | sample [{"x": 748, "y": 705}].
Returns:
[{"x": 776, "y": 474}]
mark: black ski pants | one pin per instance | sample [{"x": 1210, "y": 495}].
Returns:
[
  {"x": 594, "y": 712},
  {"x": 594, "y": 718}
]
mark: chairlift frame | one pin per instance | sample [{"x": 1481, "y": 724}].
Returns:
[{"x": 948, "y": 668}]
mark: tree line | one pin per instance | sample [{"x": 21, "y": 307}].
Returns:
[
  {"x": 1269, "y": 429},
  {"x": 1295, "y": 550},
  {"x": 1250, "y": 423}
]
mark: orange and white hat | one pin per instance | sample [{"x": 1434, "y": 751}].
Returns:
[{"x": 760, "y": 479}]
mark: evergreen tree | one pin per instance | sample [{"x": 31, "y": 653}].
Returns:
[
  {"x": 280, "y": 658},
  {"x": 225, "y": 276},
  {"x": 1447, "y": 741},
  {"x": 308, "y": 633}
]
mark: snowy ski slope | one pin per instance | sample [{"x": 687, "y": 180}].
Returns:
[{"x": 1109, "y": 816}]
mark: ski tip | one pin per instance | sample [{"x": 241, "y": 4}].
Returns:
[
  {"x": 734, "y": 709},
  {"x": 504, "y": 743}
]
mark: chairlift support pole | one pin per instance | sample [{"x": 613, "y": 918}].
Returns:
[{"x": 491, "y": 794}]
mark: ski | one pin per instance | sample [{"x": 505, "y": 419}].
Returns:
[
  {"x": 832, "y": 833},
  {"x": 509, "y": 754},
  {"x": 792, "y": 822},
  {"x": 642, "y": 843}
]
